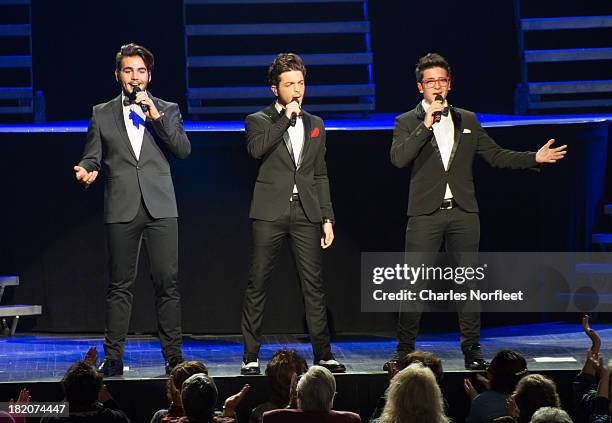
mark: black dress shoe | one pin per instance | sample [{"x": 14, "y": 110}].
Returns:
[
  {"x": 110, "y": 368},
  {"x": 172, "y": 363},
  {"x": 474, "y": 359},
  {"x": 250, "y": 368},
  {"x": 331, "y": 364}
]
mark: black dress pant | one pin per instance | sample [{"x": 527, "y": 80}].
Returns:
[
  {"x": 305, "y": 241},
  {"x": 460, "y": 232},
  {"x": 124, "y": 241}
]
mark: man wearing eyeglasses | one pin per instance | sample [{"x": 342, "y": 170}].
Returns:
[{"x": 439, "y": 143}]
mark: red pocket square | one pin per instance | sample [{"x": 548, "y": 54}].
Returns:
[{"x": 314, "y": 133}]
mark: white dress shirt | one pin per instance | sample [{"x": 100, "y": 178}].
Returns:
[
  {"x": 135, "y": 133},
  {"x": 296, "y": 134},
  {"x": 444, "y": 131}
]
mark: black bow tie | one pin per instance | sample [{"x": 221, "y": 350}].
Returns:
[{"x": 445, "y": 111}]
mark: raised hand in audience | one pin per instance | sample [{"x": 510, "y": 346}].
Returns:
[
  {"x": 595, "y": 340},
  {"x": 469, "y": 389},
  {"x": 23, "y": 398},
  {"x": 392, "y": 369},
  {"x": 511, "y": 408},
  {"x": 91, "y": 356},
  {"x": 229, "y": 407},
  {"x": 293, "y": 392}
]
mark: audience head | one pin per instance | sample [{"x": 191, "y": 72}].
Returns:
[
  {"x": 179, "y": 374},
  {"x": 505, "y": 370},
  {"x": 281, "y": 368},
  {"x": 414, "y": 396},
  {"x": 199, "y": 396},
  {"x": 550, "y": 415},
  {"x": 316, "y": 390},
  {"x": 427, "y": 359},
  {"x": 533, "y": 392},
  {"x": 81, "y": 384}
]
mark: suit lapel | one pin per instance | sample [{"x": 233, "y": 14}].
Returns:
[
  {"x": 458, "y": 130},
  {"x": 117, "y": 109},
  {"x": 420, "y": 114},
  {"x": 306, "y": 119},
  {"x": 274, "y": 115},
  {"x": 148, "y": 140},
  {"x": 289, "y": 146}
]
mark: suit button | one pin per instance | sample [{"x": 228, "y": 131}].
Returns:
[{"x": 137, "y": 167}]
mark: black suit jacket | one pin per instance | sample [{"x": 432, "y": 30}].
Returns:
[
  {"x": 414, "y": 145},
  {"x": 268, "y": 140},
  {"x": 127, "y": 179}
]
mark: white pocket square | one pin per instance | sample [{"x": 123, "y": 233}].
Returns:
[{"x": 467, "y": 131}]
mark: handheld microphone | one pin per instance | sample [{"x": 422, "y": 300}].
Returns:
[
  {"x": 136, "y": 89},
  {"x": 438, "y": 115},
  {"x": 293, "y": 118}
]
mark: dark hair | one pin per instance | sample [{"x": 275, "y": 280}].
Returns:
[
  {"x": 533, "y": 392},
  {"x": 199, "y": 396},
  {"x": 505, "y": 370},
  {"x": 280, "y": 369},
  {"x": 431, "y": 60},
  {"x": 132, "y": 49},
  {"x": 182, "y": 372},
  {"x": 81, "y": 384},
  {"x": 285, "y": 62},
  {"x": 426, "y": 358}
]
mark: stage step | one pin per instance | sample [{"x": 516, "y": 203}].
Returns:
[
  {"x": 210, "y": 92},
  {"x": 571, "y": 94},
  {"x": 568, "y": 55},
  {"x": 602, "y": 239},
  {"x": 571, "y": 22},
  {"x": 13, "y": 311},
  {"x": 596, "y": 268},
  {"x": 20, "y": 310},
  {"x": 17, "y": 99},
  {"x": 9, "y": 281}
]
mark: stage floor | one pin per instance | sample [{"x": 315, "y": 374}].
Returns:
[{"x": 550, "y": 346}]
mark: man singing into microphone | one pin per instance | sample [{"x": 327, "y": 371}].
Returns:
[
  {"x": 439, "y": 143},
  {"x": 291, "y": 201},
  {"x": 134, "y": 135}
]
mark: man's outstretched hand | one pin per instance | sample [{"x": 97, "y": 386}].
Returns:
[
  {"x": 546, "y": 154},
  {"x": 83, "y": 176}
]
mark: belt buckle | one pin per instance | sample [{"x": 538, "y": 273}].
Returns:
[{"x": 447, "y": 204}]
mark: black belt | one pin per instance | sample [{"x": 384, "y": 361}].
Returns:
[
  {"x": 448, "y": 203},
  {"x": 294, "y": 197}
]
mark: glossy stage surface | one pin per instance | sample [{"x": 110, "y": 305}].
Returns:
[
  {"x": 547, "y": 346},
  {"x": 375, "y": 121}
]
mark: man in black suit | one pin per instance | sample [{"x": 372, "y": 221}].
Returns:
[
  {"x": 291, "y": 200},
  {"x": 133, "y": 135},
  {"x": 439, "y": 143}
]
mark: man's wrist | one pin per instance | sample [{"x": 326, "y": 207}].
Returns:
[{"x": 328, "y": 220}]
